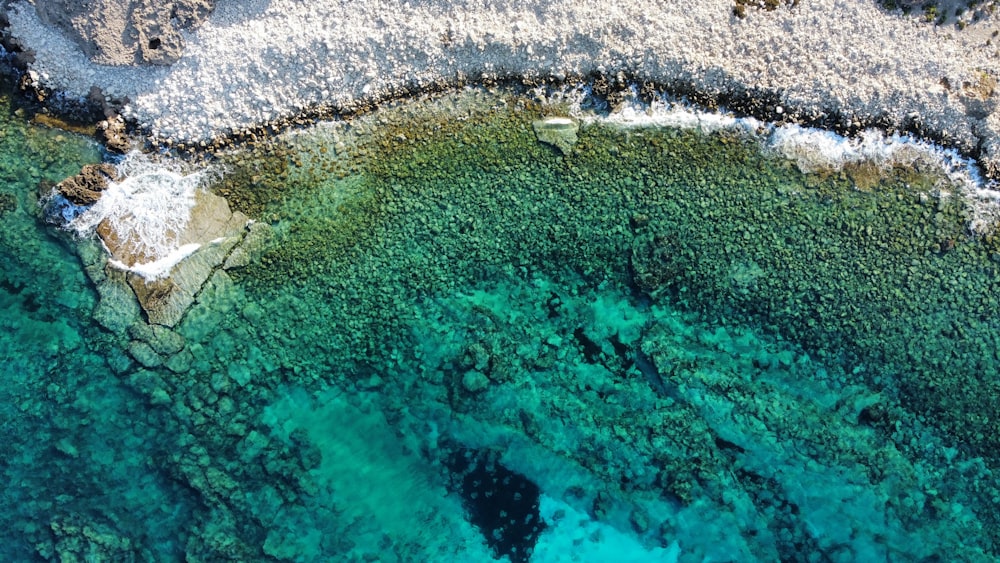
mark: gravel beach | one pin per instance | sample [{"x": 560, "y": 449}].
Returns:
[{"x": 843, "y": 64}]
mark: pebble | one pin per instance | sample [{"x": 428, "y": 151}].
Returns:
[{"x": 188, "y": 104}]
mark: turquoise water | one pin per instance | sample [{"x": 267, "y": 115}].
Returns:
[
  {"x": 458, "y": 344},
  {"x": 79, "y": 451}
]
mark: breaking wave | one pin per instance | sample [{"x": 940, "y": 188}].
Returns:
[{"x": 149, "y": 207}]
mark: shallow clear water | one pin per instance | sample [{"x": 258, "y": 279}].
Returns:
[
  {"x": 459, "y": 344},
  {"x": 79, "y": 450}
]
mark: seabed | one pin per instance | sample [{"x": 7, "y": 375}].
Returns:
[{"x": 461, "y": 343}]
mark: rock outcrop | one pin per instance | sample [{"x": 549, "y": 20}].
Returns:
[
  {"x": 163, "y": 243},
  {"x": 214, "y": 232},
  {"x": 559, "y": 132},
  {"x": 85, "y": 188},
  {"x": 111, "y": 132},
  {"x": 126, "y": 32}
]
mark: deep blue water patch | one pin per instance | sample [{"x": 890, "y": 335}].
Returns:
[{"x": 502, "y": 503}]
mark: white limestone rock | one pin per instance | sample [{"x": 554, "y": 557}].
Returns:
[{"x": 559, "y": 132}]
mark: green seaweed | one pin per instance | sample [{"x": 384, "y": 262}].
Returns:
[{"x": 661, "y": 327}]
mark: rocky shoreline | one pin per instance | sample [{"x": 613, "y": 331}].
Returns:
[
  {"x": 431, "y": 293},
  {"x": 841, "y": 66},
  {"x": 118, "y": 96}
]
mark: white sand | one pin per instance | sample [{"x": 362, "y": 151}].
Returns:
[{"x": 258, "y": 60}]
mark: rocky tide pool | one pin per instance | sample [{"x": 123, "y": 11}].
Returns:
[{"x": 465, "y": 333}]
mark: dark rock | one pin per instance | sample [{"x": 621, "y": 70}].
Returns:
[
  {"x": 111, "y": 132},
  {"x": 85, "y": 188},
  {"x": 31, "y": 87},
  {"x": 7, "y": 203}
]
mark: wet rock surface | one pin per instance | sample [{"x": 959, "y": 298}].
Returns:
[
  {"x": 85, "y": 188},
  {"x": 852, "y": 66},
  {"x": 111, "y": 132},
  {"x": 559, "y": 132},
  {"x": 213, "y": 227}
]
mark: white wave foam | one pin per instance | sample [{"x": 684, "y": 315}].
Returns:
[
  {"x": 147, "y": 210},
  {"x": 664, "y": 114},
  {"x": 816, "y": 150},
  {"x": 159, "y": 268}
]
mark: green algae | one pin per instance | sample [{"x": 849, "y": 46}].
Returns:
[
  {"x": 669, "y": 330},
  {"x": 404, "y": 285}
]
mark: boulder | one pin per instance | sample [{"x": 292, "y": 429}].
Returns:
[
  {"x": 559, "y": 132},
  {"x": 211, "y": 234},
  {"x": 126, "y": 32},
  {"x": 85, "y": 188},
  {"x": 111, "y": 132}
]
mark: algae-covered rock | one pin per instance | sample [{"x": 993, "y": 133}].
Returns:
[
  {"x": 245, "y": 252},
  {"x": 475, "y": 381},
  {"x": 144, "y": 354},
  {"x": 74, "y": 538},
  {"x": 7, "y": 203},
  {"x": 162, "y": 340},
  {"x": 117, "y": 308},
  {"x": 559, "y": 132}
]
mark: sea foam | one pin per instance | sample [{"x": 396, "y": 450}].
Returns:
[
  {"x": 148, "y": 210},
  {"x": 159, "y": 268},
  {"x": 816, "y": 150}
]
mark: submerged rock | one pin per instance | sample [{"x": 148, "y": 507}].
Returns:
[
  {"x": 559, "y": 132},
  {"x": 117, "y": 308},
  {"x": 211, "y": 234},
  {"x": 218, "y": 230},
  {"x": 7, "y": 203},
  {"x": 75, "y": 538}
]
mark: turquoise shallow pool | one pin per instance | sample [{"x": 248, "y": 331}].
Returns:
[{"x": 460, "y": 344}]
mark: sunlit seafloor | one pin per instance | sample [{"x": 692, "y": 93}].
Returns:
[{"x": 460, "y": 344}]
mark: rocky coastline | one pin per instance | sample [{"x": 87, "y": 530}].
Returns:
[
  {"x": 152, "y": 75},
  {"x": 405, "y": 260},
  {"x": 836, "y": 65}
]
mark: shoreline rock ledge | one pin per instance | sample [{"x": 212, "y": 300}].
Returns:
[
  {"x": 245, "y": 65},
  {"x": 215, "y": 240}
]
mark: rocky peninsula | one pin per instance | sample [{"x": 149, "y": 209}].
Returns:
[{"x": 189, "y": 72}]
